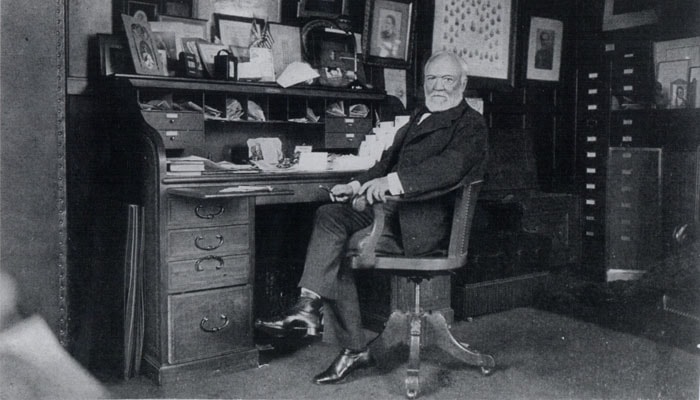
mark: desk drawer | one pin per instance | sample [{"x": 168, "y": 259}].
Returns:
[
  {"x": 210, "y": 323},
  {"x": 180, "y": 139},
  {"x": 343, "y": 140},
  {"x": 169, "y": 120},
  {"x": 200, "y": 242},
  {"x": 348, "y": 125},
  {"x": 191, "y": 212},
  {"x": 208, "y": 272}
]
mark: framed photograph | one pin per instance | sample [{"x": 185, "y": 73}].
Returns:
[
  {"x": 207, "y": 52},
  {"x": 672, "y": 84},
  {"x": 171, "y": 30},
  {"x": 679, "y": 49},
  {"x": 321, "y": 8},
  {"x": 143, "y": 47},
  {"x": 387, "y": 38},
  {"x": 483, "y": 36},
  {"x": 544, "y": 49},
  {"x": 235, "y": 33},
  {"x": 266, "y": 10},
  {"x": 179, "y": 8},
  {"x": 694, "y": 87},
  {"x": 191, "y": 46},
  {"x": 621, "y": 14},
  {"x": 286, "y": 47},
  {"x": 140, "y": 8},
  {"x": 115, "y": 56}
]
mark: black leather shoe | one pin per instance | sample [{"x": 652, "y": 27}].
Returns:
[
  {"x": 346, "y": 362},
  {"x": 301, "y": 320}
]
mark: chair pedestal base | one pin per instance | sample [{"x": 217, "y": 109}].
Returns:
[{"x": 430, "y": 328}]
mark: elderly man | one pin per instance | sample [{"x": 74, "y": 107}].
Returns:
[{"x": 443, "y": 142}]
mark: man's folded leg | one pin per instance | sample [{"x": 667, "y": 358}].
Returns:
[{"x": 333, "y": 225}]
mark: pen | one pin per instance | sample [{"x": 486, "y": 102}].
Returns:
[{"x": 330, "y": 193}]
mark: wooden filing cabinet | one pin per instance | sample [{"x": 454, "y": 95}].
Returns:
[
  {"x": 633, "y": 204},
  {"x": 591, "y": 123}
]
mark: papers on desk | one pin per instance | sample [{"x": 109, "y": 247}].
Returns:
[
  {"x": 246, "y": 189},
  {"x": 195, "y": 165}
]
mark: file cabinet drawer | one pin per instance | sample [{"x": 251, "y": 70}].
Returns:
[
  {"x": 200, "y": 242},
  {"x": 169, "y": 120},
  {"x": 208, "y": 272},
  {"x": 210, "y": 323},
  {"x": 191, "y": 212}
]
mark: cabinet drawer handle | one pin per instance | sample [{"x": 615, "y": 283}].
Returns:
[
  {"x": 207, "y": 216},
  {"x": 204, "y": 322},
  {"x": 210, "y": 247},
  {"x": 219, "y": 260}
]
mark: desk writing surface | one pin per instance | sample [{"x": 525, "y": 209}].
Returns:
[{"x": 303, "y": 185}]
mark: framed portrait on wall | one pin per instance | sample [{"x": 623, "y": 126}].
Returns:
[
  {"x": 387, "y": 38},
  {"x": 321, "y": 8},
  {"x": 483, "y": 34},
  {"x": 672, "y": 84},
  {"x": 544, "y": 49},
  {"x": 622, "y": 14}
]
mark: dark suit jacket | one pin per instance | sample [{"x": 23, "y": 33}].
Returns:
[{"x": 438, "y": 153}]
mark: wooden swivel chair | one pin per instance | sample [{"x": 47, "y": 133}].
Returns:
[{"x": 410, "y": 327}]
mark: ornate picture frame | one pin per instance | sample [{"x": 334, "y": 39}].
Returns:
[
  {"x": 143, "y": 47},
  {"x": 484, "y": 36},
  {"x": 622, "y": 14},
  {"x": 544, "y": 49},
  {"x": 387, "y": 38}
]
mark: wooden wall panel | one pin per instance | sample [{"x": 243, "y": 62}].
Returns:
[{"x": 32, "y": 159}]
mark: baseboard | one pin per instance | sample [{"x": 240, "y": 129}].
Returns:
[{"x": 497, "y": 295}]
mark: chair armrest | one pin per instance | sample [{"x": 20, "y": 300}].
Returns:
[{"x": 366, "y": 246}]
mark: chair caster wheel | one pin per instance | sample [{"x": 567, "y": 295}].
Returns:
[{"x": 486, "y": 371}]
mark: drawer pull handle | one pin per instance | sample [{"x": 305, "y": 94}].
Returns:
[
  {"x": 219, "y": 260},
  {"x": 204, "y": 322},
  {"x": 210, "y": 247},
  {"x": 207, "y": 216}
]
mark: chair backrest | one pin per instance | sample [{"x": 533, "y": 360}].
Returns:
[{"x": 465, "y": 204}]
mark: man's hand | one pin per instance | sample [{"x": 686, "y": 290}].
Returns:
[
  {"x": 341, "y": 193},
  {"x": 376, "y": 189}
]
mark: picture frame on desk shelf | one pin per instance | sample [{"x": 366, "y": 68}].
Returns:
[
  {"x": 191, "y": 46},
  {"x": 622, "y": 14},
  {"x": 178, "y": 28},
  {"x": 144, "y": 53},
  {"x": 234, "y": 32},
  {"x": 207, "y": 52},
  {"x": 672, "y": 84},
  {"x": 387, "y": 37},
  {"x": 544, "y": 49},
  {"x": 487, "y": 45},
  {"x": 115, "y": 56},
  {"x": 286, "y": 48}
]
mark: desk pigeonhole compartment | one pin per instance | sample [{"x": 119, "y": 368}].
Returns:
[
  {"x": 346, "y": 133},
  {"x": 209, "y": 323}
]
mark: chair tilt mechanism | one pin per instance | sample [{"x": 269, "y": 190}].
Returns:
[{"x": 410, "y": 328}]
